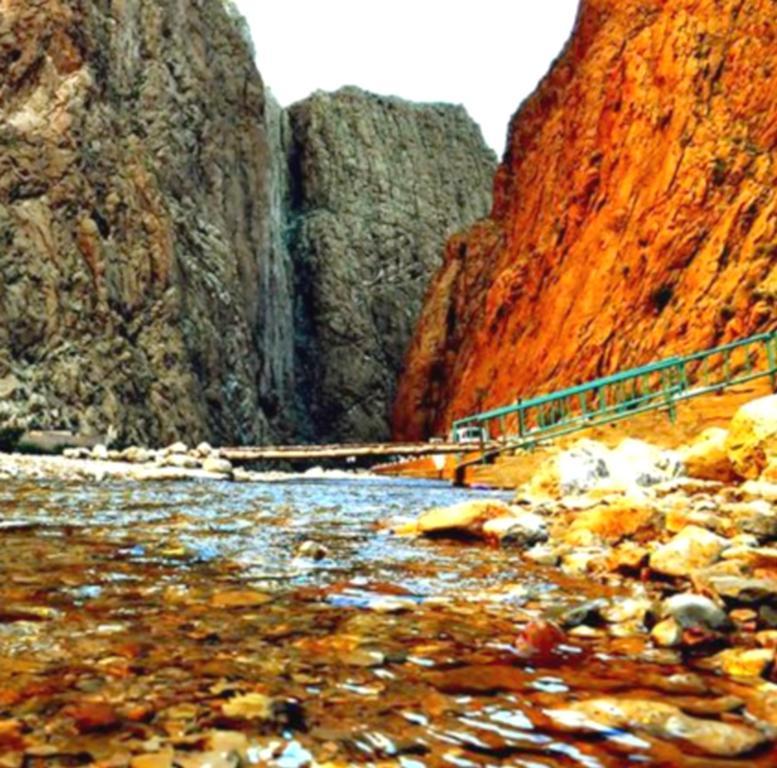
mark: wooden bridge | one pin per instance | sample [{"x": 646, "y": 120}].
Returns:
[
  {"x": 343, "y": 451},
  {"x": 659, "y": 386}
]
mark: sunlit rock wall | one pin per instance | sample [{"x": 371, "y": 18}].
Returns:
[{"x": 634, "y": 213}]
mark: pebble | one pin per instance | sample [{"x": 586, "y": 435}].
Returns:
[
  {"x": 689, "y": 550},
  {"x": 667, "y": 633},
  {"x": 313, "y": 550},
  {"x": 690, "y": 610}
]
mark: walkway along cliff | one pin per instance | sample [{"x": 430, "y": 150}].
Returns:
[
  {"x": 633, "y": 219},
  {"x": 176, "y": 249}
]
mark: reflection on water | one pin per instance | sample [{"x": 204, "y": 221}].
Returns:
[{"x": 130, "y": 615}]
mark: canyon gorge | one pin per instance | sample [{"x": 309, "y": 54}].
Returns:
[{"x": 183, "y": 258}]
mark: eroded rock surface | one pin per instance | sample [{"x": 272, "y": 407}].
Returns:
[
  {"x": 634, "y": 214},
  {"x": 146, "y": 285},
  {"x": 380, "y": 184}
]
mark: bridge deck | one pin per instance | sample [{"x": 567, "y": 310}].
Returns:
[{"x": 345, "y": 451}]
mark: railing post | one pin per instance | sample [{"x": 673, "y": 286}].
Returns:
[
  {"x": 683, "y": 371},
  {"x": 772, "y": 361},
  {"x": 521, "y": 419},
  {"x": 666, "y": 385}
]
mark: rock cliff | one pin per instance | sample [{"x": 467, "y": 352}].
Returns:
[
  {"x": 634, "y": 213},
  {"x": 379, "y": 185},
  {"x": 145, "y": 282},
  {"x": 146, "y": 204}
]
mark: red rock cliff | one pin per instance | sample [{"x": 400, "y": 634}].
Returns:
[{"x": 634, "y": 213}]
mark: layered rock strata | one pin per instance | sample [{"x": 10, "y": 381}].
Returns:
[
  {"x": 145, "y": 281},
  {"x": 380, "y": 184},
  {"x": 634, "y": 213},
  {"x": 146, "y": 284}
]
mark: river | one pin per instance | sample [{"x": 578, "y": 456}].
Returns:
[{"x": 284, "y": 621}]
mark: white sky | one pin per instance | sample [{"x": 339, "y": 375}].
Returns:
[{"x": 485, "y": 54}]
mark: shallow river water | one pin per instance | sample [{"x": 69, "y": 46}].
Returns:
[{"x": 173, "y": 619}]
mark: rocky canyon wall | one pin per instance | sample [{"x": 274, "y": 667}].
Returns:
[
  {"x": 634, "y": 213},
  {"x": 145, "y": 284},
  {"x": 147, "y": 204},
  {"x": 380, "y": 184}
]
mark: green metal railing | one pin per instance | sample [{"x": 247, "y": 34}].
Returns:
[{"x": 658, "y": 386}]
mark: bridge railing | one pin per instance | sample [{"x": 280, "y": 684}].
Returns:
[{"x": 657, "y": 386}]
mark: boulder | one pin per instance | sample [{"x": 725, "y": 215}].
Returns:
[
  {"x": 582, "y": 559},
  {"x": 752, "y": 437},
  {"x": 137, "y": 455},
  {"x": 574, "y": 471},
  {"x": 683, "y": 515},
  {"x": 690, "y": 611},
  {"x": 690, "y": 549},
  {"x": 660, "y": 720},
  {"x": 100, "y": 453},
  {"x": 179, "y": 461},
  {"x": 217, "y": 466},
  {"x": 204, "y": 450},
  {"x": 635, "y": 462},
  {"x": 612, "y": 522},
  {"x": 667, "y": 633},
  {"x": 740, "y": 662},
  {"x": 542, "y": 555},
  {"x": 524, "y": 530},
  {"x": 706, "y": 458},
  {"x": 755, "y": 518},
  {"x": 77, "y": 453},
  {"x": 758, "y": 489},
  {"x": 468, "y": 518},
  {"x": 589, "y": 465},
  {"x": 769, "y": 474}
]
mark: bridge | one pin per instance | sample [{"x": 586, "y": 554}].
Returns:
[
  {"x": 659, "y": 386},
  {"x": 345, "y": 451}
]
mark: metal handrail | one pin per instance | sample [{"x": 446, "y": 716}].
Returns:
[{"x": 656, "y": 386}]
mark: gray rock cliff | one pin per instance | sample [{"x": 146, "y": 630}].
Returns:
[
  {"x": 380, "y": 184},
  {"x": 145, "y": 284},
  {"x": 150, "y": 190}
]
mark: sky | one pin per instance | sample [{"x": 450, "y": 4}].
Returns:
[{"x": 485, "y": 54}]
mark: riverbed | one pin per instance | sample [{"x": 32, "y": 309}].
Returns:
[{"x": 282, "y": 624}]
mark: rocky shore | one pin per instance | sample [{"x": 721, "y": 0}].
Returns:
[
  {"x": 688, "y": 537},
  {"x": 175, "y": 462}
]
